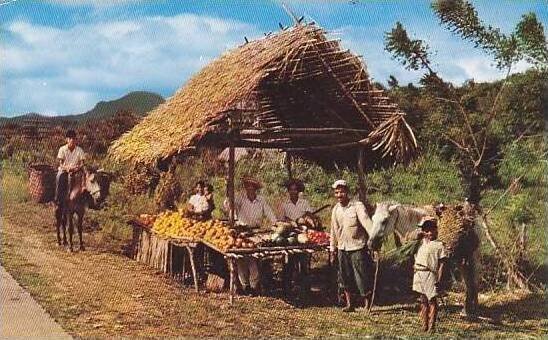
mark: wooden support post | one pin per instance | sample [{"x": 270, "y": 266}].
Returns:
[
  {"x": 288, "y": 165},
  {"x": 193, "y": 267},
  {"x": 361, "y": 176},
  {"x": 232, "y": 270},
  {"x": 230, "y": 184}
]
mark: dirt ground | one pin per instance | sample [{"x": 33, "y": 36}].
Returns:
[{"x": 101, "y": 293}]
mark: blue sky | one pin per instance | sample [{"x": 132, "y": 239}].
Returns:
[{"x": 61, "y": 57}]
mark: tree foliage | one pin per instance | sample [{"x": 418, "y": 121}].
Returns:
[{"x": 527, "y": 42}]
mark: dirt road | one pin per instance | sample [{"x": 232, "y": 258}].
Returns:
[{"x": 100, "y": 293}]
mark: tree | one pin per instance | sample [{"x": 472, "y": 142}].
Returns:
[{"x": 468, "y": 129}]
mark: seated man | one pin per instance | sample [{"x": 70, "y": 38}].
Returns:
[
  {"x": 71, "y": 159},
  {"x": 200, "y": 204},
  {"x": 294, "y": 207},
  {"x": 250, "y": 209}
]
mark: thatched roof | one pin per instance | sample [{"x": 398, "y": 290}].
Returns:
[{"x": 295, "y": 90}]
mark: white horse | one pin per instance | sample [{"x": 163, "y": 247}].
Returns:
[
  {"x": 394, "y": 218},
  {"x": 401, "y": 220}
]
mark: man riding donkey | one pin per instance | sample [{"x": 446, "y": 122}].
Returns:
[
  {"x": 349, "y": 224},
  {"x": 75, "y": 188}
]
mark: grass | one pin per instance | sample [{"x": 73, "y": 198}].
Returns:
[{"x": 99, "y": 293}]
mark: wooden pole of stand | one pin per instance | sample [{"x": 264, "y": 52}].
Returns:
[
  {"x": 230, "y": 184},
  {"x": 288, "y": 165},
  {"x": 361, "y": 176},
  {"x": 190, "y": 251}
]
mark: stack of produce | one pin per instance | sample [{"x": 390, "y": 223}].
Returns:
[
  {"x": 147, "y": 219},
  {"x": 310, "y": 221},
  {"x": 285, "y": 233},
  {"x": 171, "y": 224},
  {"x": 214, "y": 232},
  {"x": 318, "y": 237},
  {"x": 454, "y": 224},
  {"x": 217, "y": 234}
]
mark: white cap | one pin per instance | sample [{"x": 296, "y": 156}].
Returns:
[{"x": 339, "y": 183}]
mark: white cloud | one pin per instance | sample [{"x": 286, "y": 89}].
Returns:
[
  {"x": 454, "y": 59},
  {"x": 482, "y": 69},
  {"x": 83, "y": 63}
]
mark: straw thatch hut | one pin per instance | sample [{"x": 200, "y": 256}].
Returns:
[{"x": 296, "y": 90}]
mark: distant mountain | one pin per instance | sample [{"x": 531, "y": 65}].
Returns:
[{"x": 138, "y": 102}]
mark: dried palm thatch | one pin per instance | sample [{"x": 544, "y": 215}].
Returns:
[
  {"x": 295, "y": 90},
  {"x": 455, "y": 224}
]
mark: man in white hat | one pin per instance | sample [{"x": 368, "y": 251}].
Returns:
[
  {"x": 250, "y": 209},
  {"x": 349, "y": 225}
]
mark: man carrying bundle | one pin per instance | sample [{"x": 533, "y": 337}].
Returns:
[
  {"x": 349, "y": 223},
  {"x": 428, "y": 268}
]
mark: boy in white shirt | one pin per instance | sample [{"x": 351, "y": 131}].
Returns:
[
  {"x": 71, "y": 159},
  {"x": 198, "y": 203},
  {"x": 428, "y": 268}
]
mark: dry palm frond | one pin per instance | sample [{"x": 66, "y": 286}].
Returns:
[
  {"x": 394, "y": 137},
  {"x": 297, "y": 78}
]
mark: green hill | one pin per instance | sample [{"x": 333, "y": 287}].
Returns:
[{"x": 138, "y": 102}]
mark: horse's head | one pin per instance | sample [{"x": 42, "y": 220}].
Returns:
[
  {"x": 383, "y": 224},
  {"x": 97, "y": 184}
]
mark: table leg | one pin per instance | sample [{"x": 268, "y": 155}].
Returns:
[
  {"x": 231, "y": 269},
  {"x": 193, "y": 267}
]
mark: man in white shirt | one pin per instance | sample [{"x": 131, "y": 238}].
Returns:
[
  {"x": 294, "y": 206},
  {"x": 349, "y": 225},
  {"x": 71, "y": 159},
  {"x": 250, "y": 209}
]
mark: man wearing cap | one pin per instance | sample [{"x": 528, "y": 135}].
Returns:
[
  {"x": 428, "y": 268},
  {"x": 71, "y": 159},
  {"x": 250, "y": 209},
  {"x": 349, "y": 224}
]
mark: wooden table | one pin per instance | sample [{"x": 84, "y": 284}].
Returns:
[
  {"x": 260, "y": 253},
  {"x": 157, "y": 250}
]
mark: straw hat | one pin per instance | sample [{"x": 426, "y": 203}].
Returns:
[{"x": 252, "y": 181}]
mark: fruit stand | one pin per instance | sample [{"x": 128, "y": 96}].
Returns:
[
  {"x": 156, "y": 237},
  {"x": 296, "y": 91}
]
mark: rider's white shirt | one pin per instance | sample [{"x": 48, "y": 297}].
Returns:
[{"x": 70, "y": 158}]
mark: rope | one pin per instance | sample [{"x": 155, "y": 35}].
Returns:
[{"x": 374, "y": 282}]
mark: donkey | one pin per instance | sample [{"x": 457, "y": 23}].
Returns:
[
  {"x": 390, "y": 217},
  {"x": 86, "y": 188}
]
